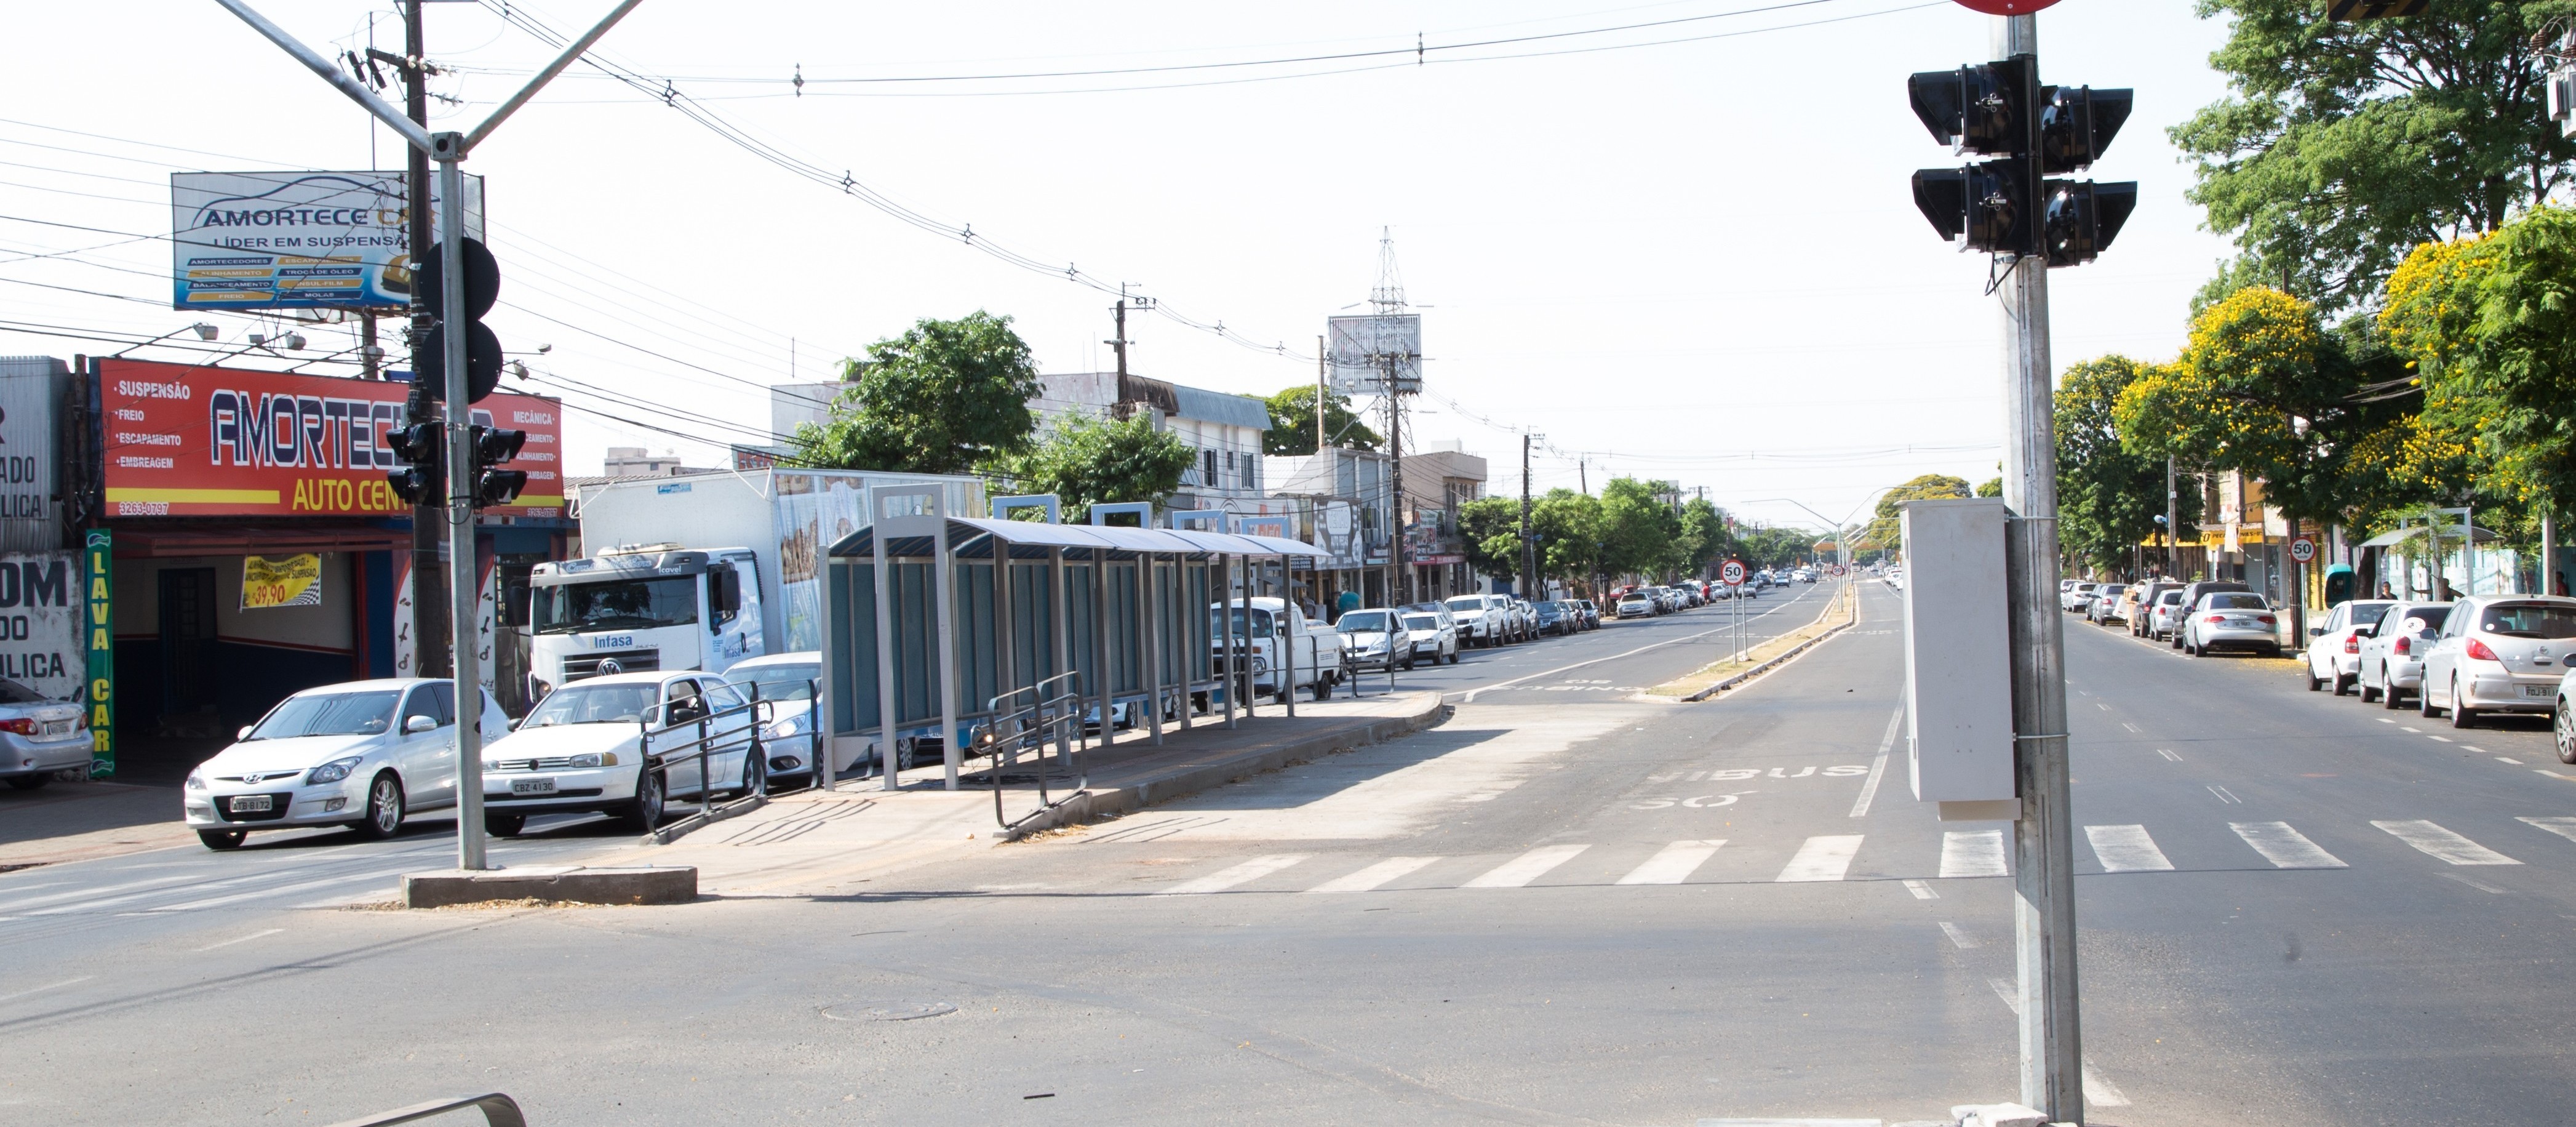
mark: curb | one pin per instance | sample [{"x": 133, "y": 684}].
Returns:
[
  {"x": 1776, "y": 660},
  {"x": 1187, "y": 781},
  {"x": 571, "y": 883}
]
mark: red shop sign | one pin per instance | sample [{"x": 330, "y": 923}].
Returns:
[{"x": 187, "y": 440}]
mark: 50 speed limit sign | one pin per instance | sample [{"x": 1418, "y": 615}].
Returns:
[
  {"x": 1732, "y": 573},
  {"x": 2303, "y": 549}
]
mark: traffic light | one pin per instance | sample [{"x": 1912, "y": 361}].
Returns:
[
  {"x": 482, "y": 346},
  {"x": 495, "y": 446},
  {"x": 2009, "y": 206},
  {"x": 422, "y": 448}
]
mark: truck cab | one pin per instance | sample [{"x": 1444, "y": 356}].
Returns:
[
  {"x": 1264, "y": 627},
  {"x": 635, "y": 609}
]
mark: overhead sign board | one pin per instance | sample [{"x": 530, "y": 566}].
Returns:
[
  {"x": 296, "y": 240},
  {"x": 188, "y": 440},
  {"x": 1375, "y": 354}
]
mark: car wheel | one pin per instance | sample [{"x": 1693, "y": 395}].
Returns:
[
  {"x": 232, "y": 839},
  {"x": 755, "y": 771},
  {"x": 2424, "y": 701},
  {"x": 645, "y": 812},
  {"x": 1323, "y": 688},
  {"x": 2387, "y": 692},
  {"x": 2563, "y": 726},
  {"x": 30, "y": 782},
  {"x": 2462, "y": 716},
  {"x": 1453, "y": 657},
  {"x": 2343, "y": 684},
  {"x": 2315, "y": 682},
  {"x": 504, "y": 825},
  {"x": 384, "y": 812}
]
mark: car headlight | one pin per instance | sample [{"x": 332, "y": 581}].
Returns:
[
  {"x": 589, "y": 759},
  {"x": 1261, "y": 665},
  {"x": 333, "y": 771},
  {"x": 783, "y": 729},
  {"x": 196, "y": 781}
]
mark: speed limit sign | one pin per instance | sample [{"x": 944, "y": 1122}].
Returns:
[
  {"x": 1732, "y": 573},
  {"x": 2303, "y": 549}
]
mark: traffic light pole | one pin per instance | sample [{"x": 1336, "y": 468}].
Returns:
[{"x": 2052, "y": 1061}]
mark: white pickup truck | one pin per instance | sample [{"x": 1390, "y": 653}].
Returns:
[{"x": 1265, "y": 627}]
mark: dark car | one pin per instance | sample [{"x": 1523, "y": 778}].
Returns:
[{"x": 1554, "y": 618}]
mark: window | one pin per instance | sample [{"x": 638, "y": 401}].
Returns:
[
  {"x": 2234, "y": 600},
  {"x": 626, "y": 604},
  {"x": 621, "y": 703},
  {"x": 1207, "y": 472},
  {"x": 328, "y": 714},
  {"x": 2529, "y": 620},
  {"x": 1369, "y": 620}
]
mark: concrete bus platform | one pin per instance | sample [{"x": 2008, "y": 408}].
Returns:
[{"x": 809, "y": 843}]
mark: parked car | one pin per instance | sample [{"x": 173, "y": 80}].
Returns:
[
  {"x": 2499, "y": 654},
  {"x": 2104, "y": 605},
  {"x": 39, "y": 736},
  {"x": 2141, "y": 611},
  {"x": 2193, "y": 592},
  {"x": 2392, "y": 653},
  {"x": 1375, "y": 639},
  {"x": 1481, "y": 620},
  {"x": 362, "y": 754},
  {"x": 1637, "y": 604},
  {"x": 2075, "y": 597},
  {"x": 2235, "y": 620},
  {"x": 2334, "y": 646},
  {"x": 1273, "y": 633},
  {"x": 1587, "y": 614},
  {"x": 1432, "y": 634},
  {"x": 2165, "y": 620},
  {"x": 1554, "y": 618},
  {"x": 788, "y": 680},
  {"x": 613, "y": 744}
]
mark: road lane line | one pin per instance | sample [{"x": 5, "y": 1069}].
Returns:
[
  {"x": 1973, "y": 853},
  {"x": 1827, "y": 857},
  {"x": 1231, "y": 876},
  {"x": 49, "y": 986},
  {"x": 1878, "y": 766},
  {"x": 1674, "y": 863},
  {"x": 2435, "y": 841},
  {"x": 241, "y": 939},
  {"x": 1527, "y": 867},
  {"x": 2480, "y": 885},
  {"x": 50, "y": 897},
  {"x": 2126, "y": 849},
  {"x": 2563, "y": 827},
  {"x": 1959, "y": 936},
  {"x": 1470, "y": 694},
  {"x": 2284, "y": 847},
  {"x": 2502, "y": 759},
  {"x": 1921, "y": 890},
  {"x": 281, "y": 890},
  {"x": 2444, "y": 739},
  {"x": 2098, "y": 1092},
  {"x": 1370, "y": 878},
  {"x": 2169, "y": 755}
]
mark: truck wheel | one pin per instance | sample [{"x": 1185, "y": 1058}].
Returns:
[{"x": 1323, "y": 688}]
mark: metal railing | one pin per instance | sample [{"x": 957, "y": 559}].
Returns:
[
  {"x": 1042, "y": 723},
  {"x": 818, "y": 758},
  {"x": 705, "y": 733},
  {"x": 498, "y": 1111}
]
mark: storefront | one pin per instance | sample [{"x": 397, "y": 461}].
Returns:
[{"x": 256, "y": 547}]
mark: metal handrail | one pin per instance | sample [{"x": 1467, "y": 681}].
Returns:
[
  {"x": 1057, "y": 719},
  {"x": 820, "y": 758},
  {"x": 498, "y": 1110},
  {"x": 708, "y": 742}
]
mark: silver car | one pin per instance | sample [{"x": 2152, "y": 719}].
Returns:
[
  {"x": 2077, "y": 597},
  {"x": 2231, "y": 620},
  {"x": 39, "y": 736},
  {"x": 2334, "y": 646},
  {"x": 2164, "y": 620},
  {"x": 2499, "y": 653},
  {"x": 789, "y": 679},
  {"x": 1375, "y": 639},
  {"x": 362, "y": 754},
  {"x": 2392, "y": 652}
]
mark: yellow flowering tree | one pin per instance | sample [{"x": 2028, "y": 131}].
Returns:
[{"x": 2489, "y": 325}]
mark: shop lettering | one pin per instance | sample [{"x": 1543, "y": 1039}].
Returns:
[
  {"x": 26, "y": 668},
  {"x": 344, "y": 495},
  {"x": 35, "y": 583},
  {"x": 299, "y": 431},
  {"x": 287, "y": 217}
]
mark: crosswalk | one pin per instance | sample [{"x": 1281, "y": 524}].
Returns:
[
  {"x": 1826, "y": 858},
  {"x": 318, "y": 878}
]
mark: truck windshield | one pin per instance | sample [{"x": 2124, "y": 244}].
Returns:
[
  {"x": 1260, "y": 623},
  {"x": 329, "y": 714},
  {"x": 626, "y": 604}
]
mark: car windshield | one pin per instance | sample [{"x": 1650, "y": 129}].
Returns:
[
  {"x": 626, "y": 604},
  {"x": 1635, "y": 596},
  {"x": 12, "y": 692},
  {"x": 1358, "y": 620},
  {"x": 1421, "y": 622},
  {"x": 1467, "y": 602},
  {"x": 2529, "y": 620},
  {"x": 329, "y": 714},
  {"x": 622, "y": 703},
  {"x": 2169, "y": 598},
  {"x": 2365, "y": 614},
  {"x": 2234, "y": 600},
  {"x": 1260, "y": 623},
  {"x": 781, "y": 682}
]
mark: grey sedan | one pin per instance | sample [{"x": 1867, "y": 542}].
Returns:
[{"x": 2231, "y": 620}]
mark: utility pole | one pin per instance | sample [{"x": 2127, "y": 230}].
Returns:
[
  {"x": 1402, "y": 587},
  {"x": 1321, "y": 398},
  {"x": 2173, "y": 527},
  {"x": 1529, "y": 551},
  {"x": 1120, "y": 343},
  {"x": 428, "y": 613},
  {"x": 1583, "y": 475}
]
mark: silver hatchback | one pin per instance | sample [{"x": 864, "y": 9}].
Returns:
[
  {"x": 2231, "y": 620},
  {"x": 2499, "y": 653}
]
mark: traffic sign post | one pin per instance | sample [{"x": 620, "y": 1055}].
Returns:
[
  {"x": 1732, "y": 574},
  {"x": 2303, "y": 549}
]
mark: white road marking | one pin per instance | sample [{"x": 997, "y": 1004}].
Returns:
[
  {"x": 49, "y": 986},
  {"x": 2098, "y": 1092},
  {"x": 1371, "y": 877},
  {"x": 50, "y": 897},
  {"x": 281, "y": 890},
  {"x": 1973, "y": 853},
  {"x": 2417, "y": 731},
  {"x": 1878, "y": 766},
  {"x": 1674, "y": 863},
  {"x": 2480, "y": 885},
  {"x": 241, "y": 939},
  {"x": 2475, "y": 748},
  {"x": 2443, "y": 739},
  {"x": 1921, "y": 890},
  {"x": 1826, "y": 857},
  {"x": 2284, "y": 847},
  {"x": 1231, "y": 876},
  {"x": 2385, "y": 720},
  {"x": 1527, "y": 867},
  {"x": 2438, "y": 842},
  {"x": 2169, "y": 755},
  {"x": 2126, "y": 849},
  {"x": 2131, "y": 727},
  {"x": 1792, "y": 1123},
  {"x": 2563, "y": 827},
  {"x": 1959, "y": 936},
  {"x": 2502, "y": 759},
  {"x": 2226, "y": 796},
  {"x": 1469, "y": 696},
  {"x": 2006, "y": 990}
]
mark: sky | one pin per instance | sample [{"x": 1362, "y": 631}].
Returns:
[{"x": 1683, "y": 251}]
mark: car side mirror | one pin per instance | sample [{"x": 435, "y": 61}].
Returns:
[
  {"x": 243, "y": 734},
  {"x": 2316, "y": 631},
  {"x": 418, "y": 724},
  {"x": 2365, "y": 631}
]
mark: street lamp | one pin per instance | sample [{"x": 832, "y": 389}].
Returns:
[{"x": 203, "y": 330}]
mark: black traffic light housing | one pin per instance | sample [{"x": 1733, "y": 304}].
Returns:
[
  {"x": 493, "y": 447},
  {"x": 2083, "y": 218},
  {"x": 2009, "y": 206},
  {"x": 482, "y": 346},
  {"x": 422, "y": 448}
]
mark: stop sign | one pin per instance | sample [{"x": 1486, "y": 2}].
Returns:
[{"x": 2007, "y": 7}]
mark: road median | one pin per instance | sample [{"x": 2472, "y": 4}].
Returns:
[{"x": 1718, "y": 676}]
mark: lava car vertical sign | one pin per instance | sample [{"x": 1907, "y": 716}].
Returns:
[{"x": 98, "y": 621}]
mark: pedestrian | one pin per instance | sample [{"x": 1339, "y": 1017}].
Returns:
[
  {"x": 1350, "y": 601},
  {"x": 2559, "y": 584}
]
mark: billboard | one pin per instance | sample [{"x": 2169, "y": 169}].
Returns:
[
  {"x": 29, "y": 388},
  {"x": 186, "y": 440},
  {"x": 295, "y": 240},
  {"x": 40, "y": 623},
  {"x": 1369, "y": 352}
]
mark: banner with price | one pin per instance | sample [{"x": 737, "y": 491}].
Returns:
[{"x": 290, "y": 581}]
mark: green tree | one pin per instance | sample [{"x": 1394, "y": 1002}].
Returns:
[
  {"x": 941, "y": 398},
  {"x": 1568, "y": 527},
  {"x": 1490, "y": 528},
  {"x": 2346, "y": 142},
  {"x": 2490, "y": 326},
  {"x": 1886, "y": 531},
  {"x": 2108, "y": 498},
  {"x": 1640, "y": 530},
  {"x": 1087, "y": 459},
  {"x": 1991, "y": 487},
  {"x": 1704, "y": 540},
  {"x": 1292, "y": 423}
]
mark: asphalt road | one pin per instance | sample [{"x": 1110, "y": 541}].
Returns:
[{"x": 1562, "y": 906}]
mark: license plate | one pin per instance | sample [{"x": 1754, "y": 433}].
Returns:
[
  {"x": 532, "y": 786},
  {"x": 254, "y": 804},
  {"x": 2537, "y": 690},
  {"x": 57, "y": 727}
]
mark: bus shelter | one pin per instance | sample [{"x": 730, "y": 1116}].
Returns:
[{"x": 956, "y": 620}]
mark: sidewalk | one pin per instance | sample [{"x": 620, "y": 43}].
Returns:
[
  {"x": 807, "y": 843},
  {"x": 78, "y": 821}
]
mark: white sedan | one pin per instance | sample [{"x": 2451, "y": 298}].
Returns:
[
  {"x": 789, "y": 680},
  {"x": 624, "y": 744},
  {"x": 2334, "y": 647},
  {"x": 362, "y": 754}
]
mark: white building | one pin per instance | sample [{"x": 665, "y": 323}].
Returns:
[{"x": 1224, "y": 428}]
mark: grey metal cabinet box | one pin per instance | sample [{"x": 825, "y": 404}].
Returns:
[{"x": 1958, "y": 676}]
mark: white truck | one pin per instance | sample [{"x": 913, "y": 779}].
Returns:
[
  {"x": 1265, "y": 627},
  {"x": 702, "y": 571}
]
